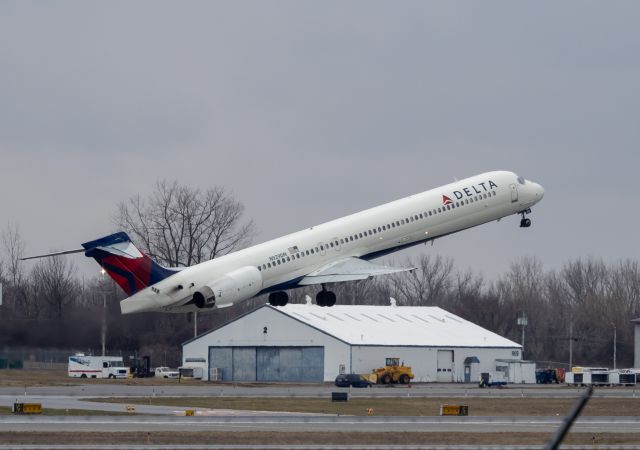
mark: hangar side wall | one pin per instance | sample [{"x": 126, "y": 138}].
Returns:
[
  {"x": 424, "y": 360},
  {"x": 282, "y": 331},
  {"x": 636, "y": 344}
]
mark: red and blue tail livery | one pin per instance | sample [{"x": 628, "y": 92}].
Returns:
[{"x": 128, "y": 266}]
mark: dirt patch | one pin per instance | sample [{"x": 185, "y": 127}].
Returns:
[
  {"x": 403, "y": 406},
  {"x": 311, "y": 438}
]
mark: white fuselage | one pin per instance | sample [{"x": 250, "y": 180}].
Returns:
[{"x": 366, "y": 234}]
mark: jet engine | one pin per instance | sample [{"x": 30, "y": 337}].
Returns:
[{"x": 237, "y": 285}]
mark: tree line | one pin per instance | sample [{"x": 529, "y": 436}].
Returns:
[{"x": 47, "y": 305}]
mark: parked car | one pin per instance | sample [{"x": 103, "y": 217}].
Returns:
[
  {"x": 166, "y": 372},
  {"x": 352, "y": 379}
]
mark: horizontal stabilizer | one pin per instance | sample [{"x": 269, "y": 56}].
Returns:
[
  {"x": 349, "y": 269},
  {"x": 47, "y": 255}
]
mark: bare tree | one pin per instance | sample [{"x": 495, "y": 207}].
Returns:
[
  {"x": 17, "y": 283},
  {"x": 181, "y": 226},
  {"x": 54, "y": 283},
  {"x": 14, "y": 248},
  {"x": 468, "y": 294},
  {"x": 585, "y": 279},
  {"x": 623, "y": 284},
  {"x": 359, "y": 292},
  {"x": 429, "y": 285},
  {"x": 523, "y": 289}
]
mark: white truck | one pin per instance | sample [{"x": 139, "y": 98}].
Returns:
[
  {"x": 81, "y": 366},
  {"x": 585, "y": 376}
]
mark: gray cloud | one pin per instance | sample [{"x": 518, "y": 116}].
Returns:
[{"x": 313, "y": 110}]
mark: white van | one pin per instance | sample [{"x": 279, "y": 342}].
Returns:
[{"x": 81, "y": 366}]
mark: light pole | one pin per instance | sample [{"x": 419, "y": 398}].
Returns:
[
  {"x": 570, "y": 345},
  {"x": 522, "y": 321},
  {"x": 104, "y": 312},
  {"x": 614, "y": 344}
]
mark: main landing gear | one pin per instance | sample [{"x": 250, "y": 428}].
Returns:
[
  {"x": 525, "y": 223},
  {"x": 325, "y": 298},
  {"x": 280, "y": 298}
]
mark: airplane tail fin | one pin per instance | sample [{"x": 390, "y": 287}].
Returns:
[{"x": 125, "y": 264}]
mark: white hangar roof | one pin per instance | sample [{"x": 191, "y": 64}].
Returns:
[{"x": 395, "y": 325}]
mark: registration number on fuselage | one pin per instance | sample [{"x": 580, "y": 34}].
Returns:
[{"x": 278, "y": 256}]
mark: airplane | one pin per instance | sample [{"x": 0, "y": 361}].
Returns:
[{"x": 333, "y": 252}]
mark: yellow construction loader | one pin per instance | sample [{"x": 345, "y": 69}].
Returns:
[{"x": 392, "y": 372}]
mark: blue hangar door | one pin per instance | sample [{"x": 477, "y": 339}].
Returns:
[{"x": 268, "y": 363}]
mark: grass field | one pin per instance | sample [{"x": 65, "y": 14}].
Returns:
[
  {"x": 32, "y": 378},
  {"x": 401, "y": 406},
  {"x": 313, "y": 438}
]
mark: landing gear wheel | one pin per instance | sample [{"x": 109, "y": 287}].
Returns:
[
  {"x": 280, "y": 298},
  {"x": 525, "y": 223},
  {"x": 331, "y": 298},
  {"x": 325, "y": 298},
  {"x": 321, "y": 298}
]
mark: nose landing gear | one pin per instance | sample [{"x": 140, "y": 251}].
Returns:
[{"x": 525, "y": 223}]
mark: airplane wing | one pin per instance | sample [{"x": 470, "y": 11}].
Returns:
[{"x": 349, "y": 269}]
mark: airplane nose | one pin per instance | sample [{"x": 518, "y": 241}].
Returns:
[{"x": 538, "y": 190}]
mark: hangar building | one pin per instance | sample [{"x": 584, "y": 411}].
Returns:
[
  {"x": 636, "y": 342},
  {"x": 306, "y": 342}
]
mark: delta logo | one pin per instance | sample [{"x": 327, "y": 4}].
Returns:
[{"x": 470, "y": 191}]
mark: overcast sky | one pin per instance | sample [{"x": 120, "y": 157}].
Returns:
[{"x": 313, "y": 110}]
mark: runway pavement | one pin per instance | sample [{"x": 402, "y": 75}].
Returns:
[
  {"x": 316, "y": 423},
  {"x": 69, "y": 403},
  {"x": 311, "y": 447},
  {"x": 151, "y": 418},
  {"x": 119, "y": 388},
  {"x": 73, "y": 396}
]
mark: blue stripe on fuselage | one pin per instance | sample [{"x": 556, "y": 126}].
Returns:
[{"x": 293, "y": 284}]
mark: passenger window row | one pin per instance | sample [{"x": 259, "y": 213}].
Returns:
[{"x": 398, "y": 223}]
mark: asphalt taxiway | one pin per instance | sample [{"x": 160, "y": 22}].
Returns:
[
  {"x": 310, "y": 447},
  {"x": 64, "y": 403},
  {"x": 151, "y": 418},
  {"x": 311, "y": 422},
  {"x": 117, "y": 388}
]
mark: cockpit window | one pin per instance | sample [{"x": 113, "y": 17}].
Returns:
[{"x": 520, "y": 180}]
